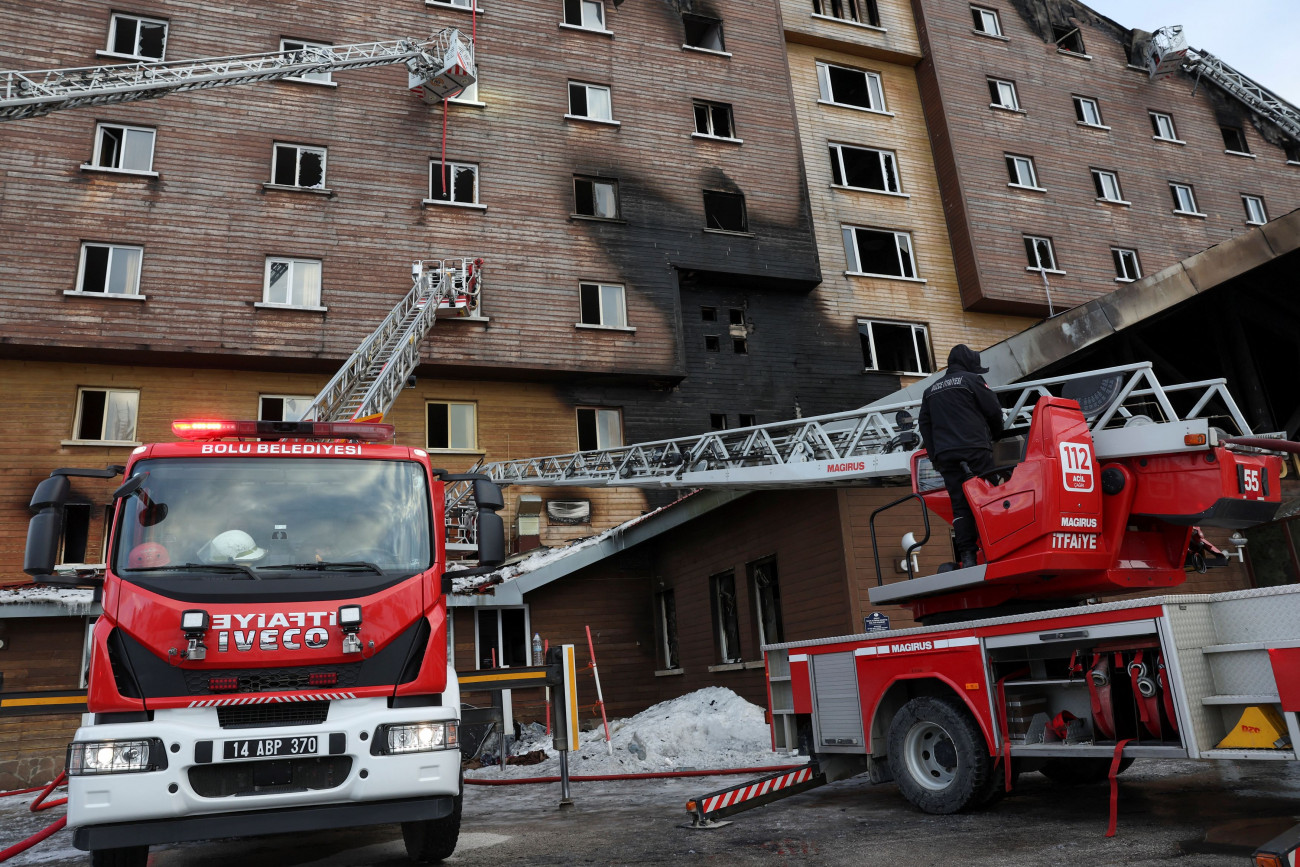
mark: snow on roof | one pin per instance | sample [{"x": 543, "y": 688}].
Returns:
[{"x": 74, "y": 600}]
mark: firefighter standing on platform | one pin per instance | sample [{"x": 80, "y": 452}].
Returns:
[{"x": 960, "y": 417}]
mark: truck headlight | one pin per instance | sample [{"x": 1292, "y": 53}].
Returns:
[
  {"x": 115, "y": 757},
  {"x": 418, "y": 737}
]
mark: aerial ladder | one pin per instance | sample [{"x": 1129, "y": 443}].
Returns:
[{"x": 1168, "y": 51}]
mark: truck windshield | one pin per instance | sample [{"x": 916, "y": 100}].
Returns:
[{"x": 272, "y": 518}]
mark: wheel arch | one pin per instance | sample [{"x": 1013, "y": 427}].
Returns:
[{"x": 905, "y": 687}]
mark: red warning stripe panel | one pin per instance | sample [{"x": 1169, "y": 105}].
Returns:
[{"x": 744, "y": 793}]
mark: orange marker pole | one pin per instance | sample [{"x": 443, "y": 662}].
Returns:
[{"x": 600, "y": 699}]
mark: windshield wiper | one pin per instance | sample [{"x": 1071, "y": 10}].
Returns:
[
  {"x": 326, "y": 566},
  {"x": 203, "y": 567}
]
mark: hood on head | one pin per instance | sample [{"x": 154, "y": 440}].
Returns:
[{"x": 962, "y": 357}]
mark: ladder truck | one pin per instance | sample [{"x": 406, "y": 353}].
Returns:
[
  {"x": 1026, "y": 660},
  {"x": 272, "y": 653}
]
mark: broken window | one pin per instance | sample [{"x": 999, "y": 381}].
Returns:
[
  {"x": 1234, "y": 140},
  {"x": 123, "y": 148},
  {"x": 1003, "y": 94},
  {"x": 1126, "y": 265},
  {"x": 292, "y": 282},
  {"x": 986, "y": 21},
  {"x": 284, "y": 407},
  {"x": 1021, "y": 171},
  {"x": 137, "y": 36},
  {"x": 740, "y": 346},
  {"x": 725, "y": 211},
  {"x": 1039, "y": 253},
  {"x": 767, "y": 600},
  {"x": 107, "y": 414},
  {"x": 1068, "y": 38},
  {"x": 297, "y": 49},
  {"x": 588, "y": 14},
  {"x": 855, "y": 88},
  {"x": 451, "y": 425},
  {"x": 1107, "y": 185},
  {"x": 110, "y": 269},
  {"x": 1163, "y": 125},
  {"x": 76, "y": 533},
  {"x": 1087, "y": 111},
  {"x": 298, "y": 166},
  {"x": 736, "y": 316},
  {"x": 1184, "y": 199},
  {"x": 714, "y": 119},
  {"x": 858, "y": 11},
  {"x": 717, "y": 421},
  {"x": 1255, "y": 214},
  {"x": 709, "y": 314},
  {"x": 666, "y": 606},
  {"x": 712, "y": 343},
  {"x": 595, "y": 198},
  {"x": 726, "y": 620},
  {"x": 602, "y": 304},
  {"x": 879, "y": 252},
  {"x": 864, "y": 168},
  {"x": 590, "y": 101},
  {"x": 895, "y": 347},
  {"x": 704, "y": 33},
  {"x": 501, "y": 637},
  {"x": 747, "y": 419},
  {"x": 456, "y": 183},
  {"x": 599, "y": 428}
]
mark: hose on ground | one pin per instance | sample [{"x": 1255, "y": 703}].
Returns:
[
  {"x": 36, "y": 806},
  {"x": 649, "y": 775}
]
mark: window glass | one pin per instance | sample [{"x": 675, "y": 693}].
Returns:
[
  {"x": 110, "y": 269},
  {"x": 852, "y": 87},
  {"x": 1021, "y": 171},
  {"x": 1003, "y": 93},
  {"x": 1163, "y": 126},
  {"x": 454, "y": 182},
  {"x": 106, "y": 414},
  {"x": 599, "y": 428},
  {"x": 134, "y": 36},
  {"x": 1126, "y": 264},
  {"x": 451, "y": 425},
  {"x": 767, "y": 599},
  {"x": 1039, "y": 253},
  {"x": 281, "y": 407},
  {"x": 986, "y": 21},
  {"x": 713, "y": 119},
  {"x": 726, "y": 620},
  {"x": 667, "y": 609},
  {"x": 293, "y": 282}
]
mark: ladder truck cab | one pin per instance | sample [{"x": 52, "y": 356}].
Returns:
[
  {"x": 272, "y": 653},
  {"x": 1012, "y": 671}
]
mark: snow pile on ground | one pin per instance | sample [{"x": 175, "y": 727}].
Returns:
[{"x": 710, "y": 729}]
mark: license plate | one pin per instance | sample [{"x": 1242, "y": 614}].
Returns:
[{"x": 258, "y": 748}]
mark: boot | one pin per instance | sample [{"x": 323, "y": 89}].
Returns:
[{"x": 967, "y": 559}]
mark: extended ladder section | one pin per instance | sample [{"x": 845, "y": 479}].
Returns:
[
  {"x": 1128, "y": 410},
  {"x": 369, "y": 383},
  {"x": 439, "y": 66},
  {"x": 1168, "y": 50}
]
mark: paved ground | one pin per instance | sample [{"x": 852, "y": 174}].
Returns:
[{"x": 1197, "y": 814}]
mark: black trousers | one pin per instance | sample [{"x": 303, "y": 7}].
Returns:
[{"x": 978, "y": 462}]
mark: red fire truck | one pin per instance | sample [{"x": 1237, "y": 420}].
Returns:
[{"x": 272, "y": 653}]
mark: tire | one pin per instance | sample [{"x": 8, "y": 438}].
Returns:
[
  {"x": 130, "y": 856},
  {"x": 938, "y": 756},
  {"x": 1075, "y": 772},
  {"x": 431, "y": 840},
  {"x": 996, "y": 787}
]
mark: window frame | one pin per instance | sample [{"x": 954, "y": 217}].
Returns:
[
  {"x": 725, "y": 622},
  {"x": 977, "y": 18},
  {"x": 713, "y": 27},
  {"x": 1076, "y": 33},
  {"x": 294, "y": 263},
  {"x": 261, "y": 410},
  {"x": 97, "y": 152},
  {"x": 666, "y": 629},
  {"x": 113, "y": 250},
  {"x": 885, "y": 156},
  {"x": 996, "y": 93},
  {"x": 581, "y": 24},
  {"x": 752, "y": 572},
  {"x": 596, "y": 419},
  {"x": 1156, "y": 117},
  {"x": 916, "y": 327},
  {"x": 612, "y": 183},
  {"x": 854, "y": 8},
  {"x": 113, "y": 20},
  {"x": 873, "y": 82},
  {"x": 1099, "y": 183},
  {"x": 1015, "y": 159},
  {"x": 710, "y": 108},
  {"x": 706, "y": 195},
  {"x": 600, "y": 288},
  {"x": 451, "y": 447},
  {"x": 499, "y": 642},
  {"x": 1121, "y": 269},
  {"x": 587, "y": 88},
  {"x": 1175, "y": 187},
  {"x": 452, "y": 167},
  {"x": 1246, "y": 200},
  {"x": 1051, "y": 249},
  {"x": 79, "y": 414},
  {"x": 1081, "y": 114},
  {"x": 325, "y": 78},
  {"x": 299, "y": 150},
  {"x": 856, "y": 260},
  {"x": 1240, "y": 132}
]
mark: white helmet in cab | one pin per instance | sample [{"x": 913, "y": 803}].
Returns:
[{"x": 233, "y": 545}]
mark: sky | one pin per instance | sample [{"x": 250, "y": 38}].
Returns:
[{"x": 1253, "y": 36}]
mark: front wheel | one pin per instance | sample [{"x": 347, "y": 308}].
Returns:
[
  {"x": 130, "y": 856},
  {"x": 938, "y": 756},
  {"x": 429, "y": 841}
]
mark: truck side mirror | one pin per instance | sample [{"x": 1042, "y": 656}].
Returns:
[
  {"x": 491, "y": 529},
  {"x": 46, "y": 526}
]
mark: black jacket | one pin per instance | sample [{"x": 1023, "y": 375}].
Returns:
[{"x": 959, "y": 413}]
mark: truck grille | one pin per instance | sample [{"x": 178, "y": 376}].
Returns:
[
  {"x": 299, "y": 713},
  {"x": 224, "y": 779},
  {"x": 198, "y": 681}
]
